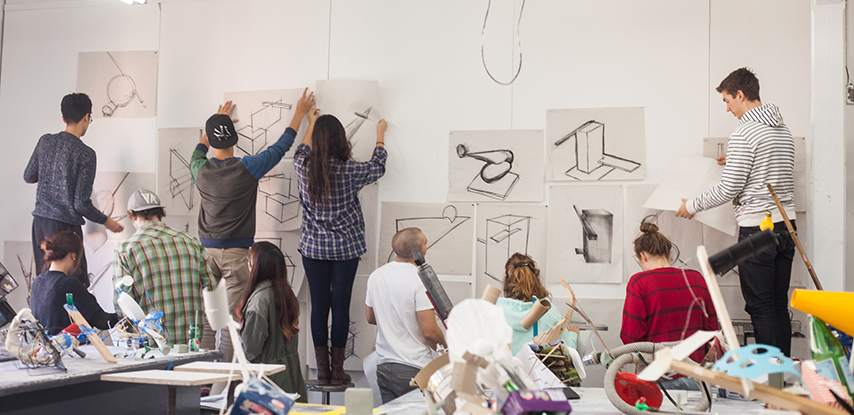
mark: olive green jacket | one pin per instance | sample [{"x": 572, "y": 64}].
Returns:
[{"x": 264, "y": 342}]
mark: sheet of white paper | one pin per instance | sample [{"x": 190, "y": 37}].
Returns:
[
  {"x": 449, "y": 228},
  {"x": 591, "y": 144},
  {"x": 687, "y": 178},
  {"x": 175, "y": 186},
  {"x": 496, "y": 166},
  {"x": 716, "y": 146},
  {"x": 262, "y": 118},
  {"x": 505, "y": 229},
  {"x": 356, "y": 104},
  {"x": 586, "y": 234},
  {"x": 120, "y": 84},
  {"x": 369, "y": 197},
  {"x": 685, "y": 235},
  {"x": 100, "y": 263}
]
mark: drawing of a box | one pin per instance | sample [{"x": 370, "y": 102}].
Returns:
[
  {"x": 590, "y": 146},
  {"x": 281, "y": 207},
  {"x": 505, "y": 235},
  {"x": 598, "y": 229}
]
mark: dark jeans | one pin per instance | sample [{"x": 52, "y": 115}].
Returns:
[
  {"x": 331, "y": 285},
  {"x": 765, "y": 287},
  {"x": 44, "y": 228},
  {"x": 393, "y": 380}
]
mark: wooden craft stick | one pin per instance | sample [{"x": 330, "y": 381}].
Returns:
[
  {"x": 78, "y": 319},
  {"x": 759, "y": 391},
  {"x": 571, "y": 295},
  {"x": 794, "y": 234}
]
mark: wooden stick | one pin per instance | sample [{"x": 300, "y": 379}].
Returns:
[
  {"x": 759, "y": 391},
  {"x": 794, "y": 234},
  {"x": 78, "y": 319},
  {"x": 571, "y": 296},
  {"x": 717, "y": 299}
]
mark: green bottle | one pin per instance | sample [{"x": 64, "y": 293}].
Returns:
[{"x": 830, "y": 360}]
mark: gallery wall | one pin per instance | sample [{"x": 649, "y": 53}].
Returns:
[{"x": 663, "y": 55}]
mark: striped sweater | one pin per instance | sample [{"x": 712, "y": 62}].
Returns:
[{"x": 760, "y": 151}]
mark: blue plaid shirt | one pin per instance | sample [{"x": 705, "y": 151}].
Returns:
[{"x": 336, "y": 230}]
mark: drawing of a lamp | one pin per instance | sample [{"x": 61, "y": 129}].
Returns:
[
  {"x": 495, "y": 180},
  {"x": 591, "y": 160},
  {"x": 597, "y": 226},
  {"x": 353, "y": 126}
]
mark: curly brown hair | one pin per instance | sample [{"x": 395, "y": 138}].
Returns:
[{"x": 741, "y": 79}]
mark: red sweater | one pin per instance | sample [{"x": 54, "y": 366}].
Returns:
[{"x": 659, "y": 304}]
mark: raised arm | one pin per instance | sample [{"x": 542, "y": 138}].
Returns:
[
  {"x": 312, "y": 118},
  {"x": 261, "y": 163}
]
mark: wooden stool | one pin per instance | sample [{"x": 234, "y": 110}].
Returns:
[{"x": 325, "y": 390}]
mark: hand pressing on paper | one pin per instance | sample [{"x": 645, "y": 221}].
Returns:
[
  {"x": 721, "y": 160},
  {"x": 227, "y": 109},
  {"x": 113, "y": 226},
  {"x": 683, "y": 211}
]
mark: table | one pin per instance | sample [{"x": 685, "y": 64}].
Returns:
[
  {"x": 326, "y": 389},
  {"x": 593, "y": 401},
  {"x": 182, "y": 386},
  {"x": 81, "y": 390}
]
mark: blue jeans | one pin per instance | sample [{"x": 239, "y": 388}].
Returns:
[
  {"x": 393, "y": 380},
  {"x": 765, "y": 287},
  {"x": 331, "y": 285}
]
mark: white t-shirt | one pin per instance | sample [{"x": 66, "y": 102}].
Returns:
[{"x": 396, "y": 293}]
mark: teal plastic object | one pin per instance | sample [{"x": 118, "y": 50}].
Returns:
[{"x": 755, "y": 360}]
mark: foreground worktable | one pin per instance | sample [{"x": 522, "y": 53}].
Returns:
[
  {"x": 593, "y": 401},
  {"x": 80, "y": 390}
]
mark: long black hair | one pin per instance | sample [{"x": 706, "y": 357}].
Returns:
[
  {"x": 329, "y": 140},
  {"x": 268, "y": 263}
]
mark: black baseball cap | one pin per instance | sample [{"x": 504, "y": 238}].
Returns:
[{"x": 220, "y": 131}]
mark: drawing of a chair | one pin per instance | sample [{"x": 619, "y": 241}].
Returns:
[
  {"x": 505, "y": 235},
  {"x": 597, "y": 226},
  {"x": 591, "y": 160},
  {"x": 495, "y": 180}
]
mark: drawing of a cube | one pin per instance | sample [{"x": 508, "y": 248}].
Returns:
[
  {"x": 281, "y": 207},
  {"x": 270, "y": 113},
  {"x": 505, "y": 235},
  {"x": 598, "y": 229}
]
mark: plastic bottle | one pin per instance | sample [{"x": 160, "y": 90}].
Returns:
[
  {"x": 767, "y": 223},
  {"x": 830, "y": 360}
]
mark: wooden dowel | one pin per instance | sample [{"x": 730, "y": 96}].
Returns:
[{"x": 794, "y": 235}]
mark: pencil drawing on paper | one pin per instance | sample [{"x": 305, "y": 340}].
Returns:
[
  {"x": 494, "y": 180},
  {"x": 280, "y": 197},
  {"x": 505, "y": 235},
  {"x": 261, "y": 121},
  {"x": 353, "y": 126},
  {"x": 107, "y": 200},
  {"x": 675, "y": 252},
  {"x": 597, "y": 227},
  {"x": 289, "y": 261},
  {"x": 591, "y": 160},
  {"x": 121, "y": 91},
  {"x": 181, "y": 184},
  {"x": 435, "y": 228}
]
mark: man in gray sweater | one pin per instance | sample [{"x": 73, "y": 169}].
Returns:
[{"x": 64, "y": 168}]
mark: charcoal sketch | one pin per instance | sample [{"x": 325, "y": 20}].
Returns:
[
  {"x": 110, "y": 193},
  {"x": 504, "y": 229},
  {"x": 121, "y": 91},
  {"x": 496, "y": 166},
  {"x": 435, "y": 228},
  {"x": 262, "y": 121},
  {"x": 280, "y": 197},
  {"x": 290, "y": 266},
  {"x": 597, "y": 232},
  {"x": 120, "y": 84},
  {"x": 353, "y": 126},
  {"x": 505, "y": 235},
  {"x": 591, "y": 160},
  {"x": 175, "y": 185},
  {"x": 595, "y": 144},
  {"x": 287, "y": 242},
  {"x": 263, "y": 116},
  {"x": 494, "y": 180}
]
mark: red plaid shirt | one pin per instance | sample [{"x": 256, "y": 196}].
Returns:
[{"x": 659, "y": 304}]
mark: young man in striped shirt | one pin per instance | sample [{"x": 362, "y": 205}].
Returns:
[
  {"x": 168, "y": 264},
  {"x": 761, "y": 151}
]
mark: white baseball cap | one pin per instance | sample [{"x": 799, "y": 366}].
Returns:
[{"x": 143, "y": 199}]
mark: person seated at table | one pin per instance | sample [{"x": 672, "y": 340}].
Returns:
[
  {"x": 665, "y": 304},
  {"x": 63, "y": 254},
  {"x": 522, "y": 286},
  {"x": 397, "y": 304},
  {"x": 269, "y": 312}
]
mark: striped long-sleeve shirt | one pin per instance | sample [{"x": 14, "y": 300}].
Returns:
[
  {"x": 172, "y": 267},
  {"x": 760, "y": 151}
]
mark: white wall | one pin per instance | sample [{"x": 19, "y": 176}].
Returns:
[{"x": 665, "y": 55}]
